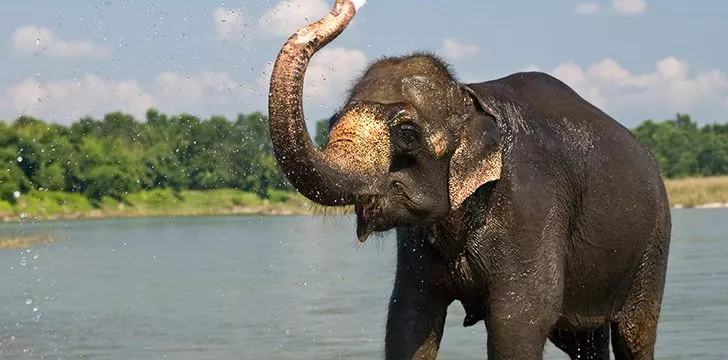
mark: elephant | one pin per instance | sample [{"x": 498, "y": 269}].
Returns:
[{"x": 537, "y": 211}]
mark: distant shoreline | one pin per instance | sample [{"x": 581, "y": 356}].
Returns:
[
  {"x": 690, "y": 193},
  {"x": 699, "y": 193},
  {"x": 101, "y": 214},
  {"x": 702, "y": 206},
  {"x": 48, "y": 206},
  {"x": 270, "y": 211}
]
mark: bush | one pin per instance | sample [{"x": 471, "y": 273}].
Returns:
[
  {"x": 12, "y": 180},
  {"x": 278, "y": 196},
  {"x": 6, "y": 208},
  {"x": 52, "y": 203}
]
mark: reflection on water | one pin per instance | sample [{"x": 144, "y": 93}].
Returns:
[{"x": 275, "y": 287}]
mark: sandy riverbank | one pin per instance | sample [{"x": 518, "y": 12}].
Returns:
[
  {"x": 23, "y": 241},
  {"x": 705, "y": 192}
]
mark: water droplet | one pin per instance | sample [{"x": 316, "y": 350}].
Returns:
[{"x": 28, "y": 301}]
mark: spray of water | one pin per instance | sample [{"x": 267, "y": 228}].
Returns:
[{"x": 359, "y": 3}]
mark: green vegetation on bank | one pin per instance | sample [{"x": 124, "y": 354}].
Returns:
[
  {"x": 156, "y": 202},
  {"x": 181, "y": 164}
]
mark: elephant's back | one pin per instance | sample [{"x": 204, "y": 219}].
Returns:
[{"x": 548, "y": 121}]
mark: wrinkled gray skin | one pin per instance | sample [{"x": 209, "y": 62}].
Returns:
[{"x": 540, "y": 213}]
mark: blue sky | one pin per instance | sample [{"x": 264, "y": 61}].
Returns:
[{"x": 636, "y": 59}]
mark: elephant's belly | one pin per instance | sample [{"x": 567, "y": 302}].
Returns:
[
  {"x": 596, "y": 285},
  {"x": 603, "y": 256},
  {"x": 578, "y": 322},
  {"x": 588, "y": 305}
]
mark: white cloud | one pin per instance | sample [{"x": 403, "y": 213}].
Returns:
[
  {"x": 290, "y": 15},
  {"x": 629, "y": 6},
  {"x": 587, "y": 8},
  {"x": 66, "y": 101},
  {"x": 454, "y": 50},
  {"x": 34, "y": 40},
  {"x": 328, "y": 76},
  {"x": 332, "y": 70},
  {"x": 671, "y": 87},
  {"x": 175, "y": 90},
  {"x": 230, "y": 23}
]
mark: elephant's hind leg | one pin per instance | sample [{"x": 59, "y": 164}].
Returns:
[
  {"x": 634, "y": 327},
  {"x": 583, "y": 345},
  {"x": 635, "y": 332}
]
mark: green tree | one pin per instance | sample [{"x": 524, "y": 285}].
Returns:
[
  {"x": 109, "y": 170},
  {"x": 12, "y": 178},
  {"x": 322, "y": 133},
  {"x": 684, "y": 149}
]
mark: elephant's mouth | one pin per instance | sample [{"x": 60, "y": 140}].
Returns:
[
  {"x": 373, "y": 214},
  {"x": 383, "y": 211},
  {"x": 367, "y": 211}
]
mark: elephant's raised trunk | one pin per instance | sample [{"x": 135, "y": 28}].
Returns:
[{"x": 317, "y": 175}]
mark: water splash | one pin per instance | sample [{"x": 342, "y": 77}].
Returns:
[{"x": 359, "y": 3}]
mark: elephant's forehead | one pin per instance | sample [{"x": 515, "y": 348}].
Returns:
[
  {"x": 383, "y": 81},
  {"x": 383, "y": 90}
]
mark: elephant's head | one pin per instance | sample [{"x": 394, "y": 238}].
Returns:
[{"x": 408, "y": 147}]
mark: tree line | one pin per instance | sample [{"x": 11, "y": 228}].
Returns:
[
  {"x": 684, "y": 149},
  {"x": 118, "y": 154}
]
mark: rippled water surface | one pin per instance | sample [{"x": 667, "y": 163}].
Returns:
[{"x": 275, "y": 288}]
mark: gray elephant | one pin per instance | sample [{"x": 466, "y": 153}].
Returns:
[{"x": 537, "y": 211}]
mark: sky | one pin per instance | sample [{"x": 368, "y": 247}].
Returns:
[{"x": 635, "y": 59}]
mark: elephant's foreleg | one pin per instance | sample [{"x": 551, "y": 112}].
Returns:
[
  {"x": 524, "y": 305},
  {"x": 414, "y": 325},
  {"x": 518, "y": 324},
  {"x": 419, "y": 301}
]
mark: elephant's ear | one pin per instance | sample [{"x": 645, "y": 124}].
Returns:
[{"x": 477, "y": 158}]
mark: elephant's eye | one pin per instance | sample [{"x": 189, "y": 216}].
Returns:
[{"x": 408, "y": 137}]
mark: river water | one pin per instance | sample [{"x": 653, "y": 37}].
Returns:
[{"x": 294, "y": 287}]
